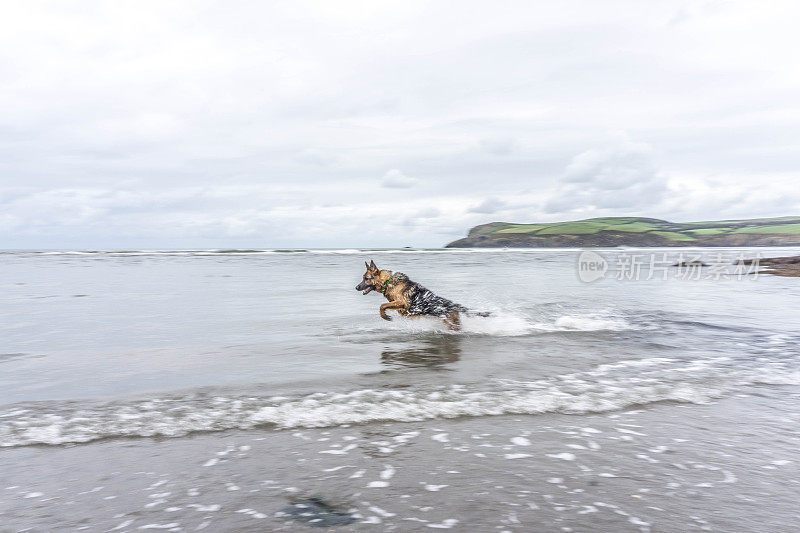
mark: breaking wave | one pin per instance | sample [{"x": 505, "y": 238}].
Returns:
[
  {"x": 268, "y": 251},
  {"x": 604, "y": 388},
  {"x": 510, "y": 324}
]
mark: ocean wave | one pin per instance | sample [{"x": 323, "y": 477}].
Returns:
[
  {"x": 310, "y": 251},
  {"x": 370, "y": 251},
  {"x": 586, "y": 323},
  {"x": 510, "y": 324},
  {"x": 604, "y": 388}
]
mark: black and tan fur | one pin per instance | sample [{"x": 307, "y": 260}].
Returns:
[{"x": 408, "y": 297}]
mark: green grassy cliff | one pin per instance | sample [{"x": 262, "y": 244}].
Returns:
[{"x": 635, "y": 231}]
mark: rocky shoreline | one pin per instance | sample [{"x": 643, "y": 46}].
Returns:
[
  {"x": 608, "y": 239},
  {"x": 778, "y": 266}
]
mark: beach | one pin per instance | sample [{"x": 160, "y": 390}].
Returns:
[
  {"x": 256, "y": 390},
  {"x": 667, "y": 468}
]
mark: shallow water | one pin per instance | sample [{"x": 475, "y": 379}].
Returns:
[{"x": 166, "y": 344}]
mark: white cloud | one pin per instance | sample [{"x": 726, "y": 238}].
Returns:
[
  {"x": 622, "y": 176},
  {"x": 394, "y": 179},
  {"x": 255, "y": 124}
]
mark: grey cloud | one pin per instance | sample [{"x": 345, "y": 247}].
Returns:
[
  {"x": 428, "y": 212},
  {"x": 498, "y": 145},
  {"x": 394, "y": 179},
  {"x": 620, "y": 177},
  {"x": 425, "y": 219},
  {"x": 488, "y": 206}
]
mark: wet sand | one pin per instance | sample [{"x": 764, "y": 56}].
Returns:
[{"x": 732, "y": 465}]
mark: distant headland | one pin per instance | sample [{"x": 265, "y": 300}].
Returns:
[{"x": 634, "y": 231}]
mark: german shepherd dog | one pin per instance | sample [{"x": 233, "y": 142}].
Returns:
[{"x": 410, "y": 298}]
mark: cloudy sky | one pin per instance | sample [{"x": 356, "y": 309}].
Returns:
[{"x": 345, "y": 124}]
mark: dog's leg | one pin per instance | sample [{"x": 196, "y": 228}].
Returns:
[
  {"x": 397, "y": 304},
  {"x": 453, "y": 321}
]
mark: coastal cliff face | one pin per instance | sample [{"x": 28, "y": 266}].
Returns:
[{"x": 634, "y": 231}]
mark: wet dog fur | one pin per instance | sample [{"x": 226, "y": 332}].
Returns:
[{"x": 409, "y": 298}]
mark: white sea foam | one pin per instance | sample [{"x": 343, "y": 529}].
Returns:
[
  {"x": 502, "y": 323},
  {"x": 499, "y": 323},
  {"x": 565, "y": 456},
  {"x": 589, "y": 322},
  {"x": 604, "y": 388}
]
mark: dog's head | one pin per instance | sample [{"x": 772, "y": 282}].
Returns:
[{"x": 370, "y": 281}]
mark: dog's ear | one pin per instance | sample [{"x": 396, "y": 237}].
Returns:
[
  {"x": 366, "y": 265},
  {"x": 372, "y": 265}
]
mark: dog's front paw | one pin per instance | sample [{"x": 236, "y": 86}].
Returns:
[{"x": 385, "y": 316}]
